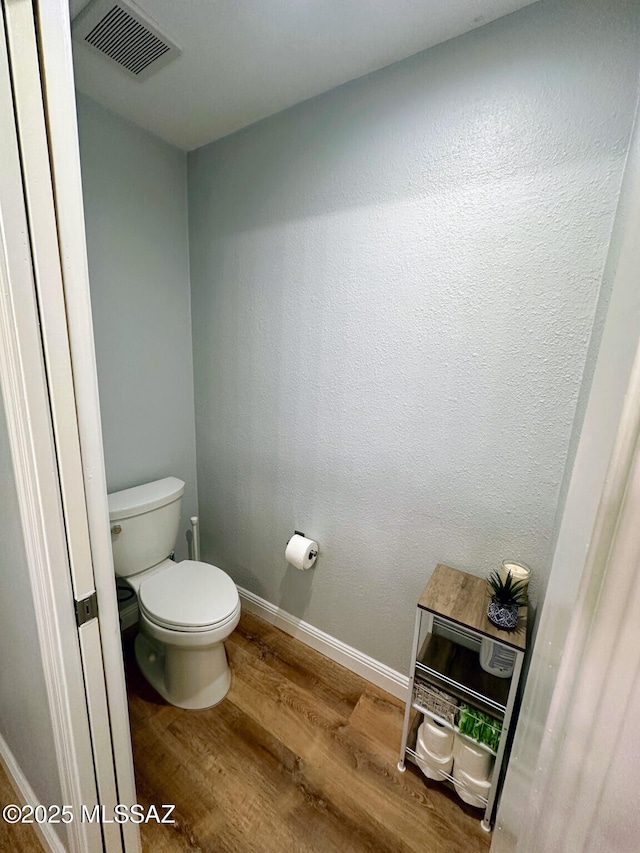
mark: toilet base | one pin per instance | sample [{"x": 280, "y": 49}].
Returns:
[{"x": 187, "y": 678}]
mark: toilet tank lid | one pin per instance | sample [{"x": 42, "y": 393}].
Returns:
[{"x": 139, "y": 499}]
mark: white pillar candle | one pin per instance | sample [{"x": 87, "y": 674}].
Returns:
[{"x": 519, "y": 572}]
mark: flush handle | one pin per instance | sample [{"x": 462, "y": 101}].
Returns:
[{"x": 117, "y": 528}]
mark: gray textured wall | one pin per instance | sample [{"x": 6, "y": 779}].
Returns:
[
  {"x": 393, "y": 291},
  {"x": 135, "y": 198}
]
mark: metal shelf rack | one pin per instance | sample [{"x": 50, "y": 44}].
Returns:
[{"x": 450, "y": 626}]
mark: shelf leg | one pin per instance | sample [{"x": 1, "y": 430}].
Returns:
[
  {"x": 485, "y": 824},
  {"x": 412, "y": 670},
  {"x": 401, "y": 766}
]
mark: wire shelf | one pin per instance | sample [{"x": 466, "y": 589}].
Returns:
[
  {"x": 447, "y": 710},
  {"x": 448, "y": 777}
]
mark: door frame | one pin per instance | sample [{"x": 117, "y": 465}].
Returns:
[
  {"x": 56, "y": 56},
  {"x": 47, "y": 370},
  {"x": 24, "y": 388},
  {"x": 593, "y": 534}
]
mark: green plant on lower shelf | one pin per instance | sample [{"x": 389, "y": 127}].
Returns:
[{"x": 480, "y": 727}]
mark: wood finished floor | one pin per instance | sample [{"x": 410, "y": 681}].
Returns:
[
  {"x": 19, "y": 837},
  {"x": 300, "y": 756}
]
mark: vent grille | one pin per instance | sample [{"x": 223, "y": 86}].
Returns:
[
  {"x": 126, "y": 41},
  {"x": 125, "y": 37}
]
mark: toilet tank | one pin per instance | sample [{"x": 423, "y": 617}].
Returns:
[{"x": 144, "y": 524}]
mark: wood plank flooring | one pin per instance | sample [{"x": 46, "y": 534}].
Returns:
[
  {"x": 301, "y": 756},
  {"x": 19, "y": 837}
]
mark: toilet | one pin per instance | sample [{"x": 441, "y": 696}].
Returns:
[{"x": 187, "y": 608}]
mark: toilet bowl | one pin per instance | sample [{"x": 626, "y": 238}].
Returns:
[{"x": 187, "y": 608}]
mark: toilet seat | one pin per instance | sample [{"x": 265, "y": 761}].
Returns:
[{"x": 189, "y": 597}]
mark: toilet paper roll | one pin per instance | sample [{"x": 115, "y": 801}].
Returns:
[
  {"x": 301, "y": 552},
  {"x": 472, "y": 791},
  {"x": 434, "y": 738},
  {"x": 435, "y": 768},
  {"x": 473, "y": 759}
]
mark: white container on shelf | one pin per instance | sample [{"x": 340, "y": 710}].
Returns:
[
  {"x": 496, "y": 658},
  {"x": 435, "y": 738},
  {"x": 471, "y": 758},
  {"x": 472, "y": 791},
  {"x": 435, "y": 768}
]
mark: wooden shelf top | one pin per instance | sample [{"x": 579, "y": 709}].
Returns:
[{"x": 463, "y": 599}]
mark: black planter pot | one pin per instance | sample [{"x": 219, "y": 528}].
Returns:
[{"x": 503, "y": 616}]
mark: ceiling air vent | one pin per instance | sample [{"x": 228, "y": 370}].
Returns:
[{"x": 123, "y": 35}]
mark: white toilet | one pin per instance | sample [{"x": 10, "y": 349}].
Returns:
[{"x": 187, "y": 609}]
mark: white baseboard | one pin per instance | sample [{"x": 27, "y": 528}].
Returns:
[
  {"x": 26, "y": 796},
  {"x": 367, "y": 667}
]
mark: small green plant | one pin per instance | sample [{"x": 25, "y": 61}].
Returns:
[{"x": 507, "y": 591}]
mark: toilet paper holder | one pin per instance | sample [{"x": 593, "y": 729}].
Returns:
[{"x": 300, "y": 533}]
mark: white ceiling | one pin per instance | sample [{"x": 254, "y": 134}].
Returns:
[{"x": 243, "y": 60}]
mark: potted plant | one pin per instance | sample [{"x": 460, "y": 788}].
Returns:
[{"x": 507, "y": 597}]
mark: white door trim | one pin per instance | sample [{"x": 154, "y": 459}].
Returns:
[
  {"x": 25, "y": 393},
  {"x": 43, "y": 233},
  {"x": 590, "y": 705},
  {"x": 54, "y": 31},
  {"x": 588, "y": 546},
  {"x": 38, "y": 190}
]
